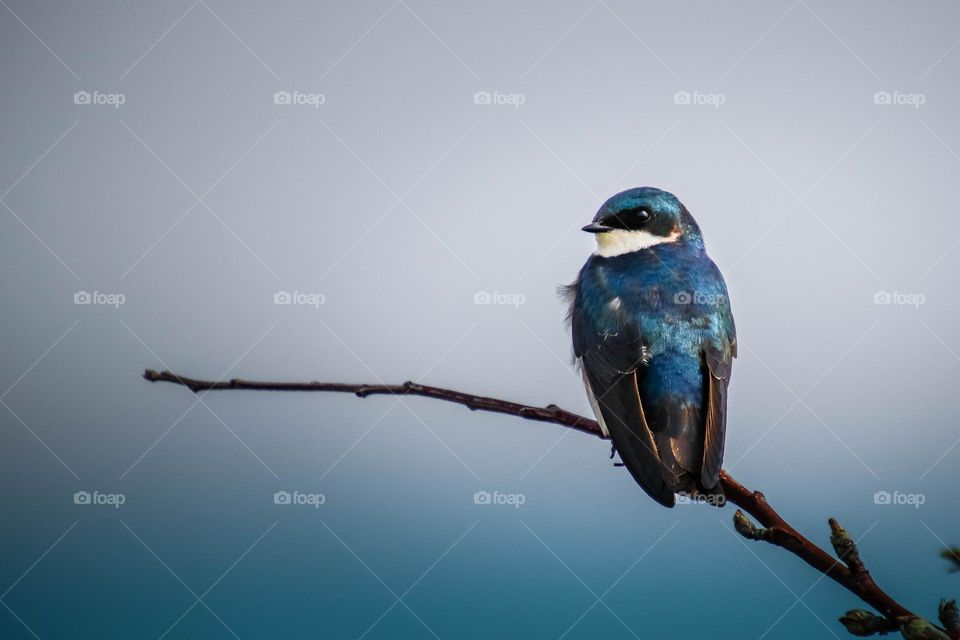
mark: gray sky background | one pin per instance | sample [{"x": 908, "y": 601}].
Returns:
[{"x": 440, "y": 150}]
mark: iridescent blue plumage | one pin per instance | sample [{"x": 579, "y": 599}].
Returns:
[{"x": 653, "y": 333}]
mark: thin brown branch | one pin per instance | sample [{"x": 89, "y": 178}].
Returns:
[
  {"x": 550, "y": 413},
  {"x": 849, "y": 572},
  {"x": 780, "y": 533}
]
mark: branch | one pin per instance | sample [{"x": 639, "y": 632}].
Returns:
[
  {"x": 551, "y": 413},
  {"x": 849, "y": 571}
]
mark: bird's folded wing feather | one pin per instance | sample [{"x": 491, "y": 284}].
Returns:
[
  {"x": 609, "y": 360},
  {"x": 718, "y": 378},
  {"x": 622, "y": 414}
]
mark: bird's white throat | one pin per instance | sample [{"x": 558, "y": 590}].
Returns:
[{"x": 621, "y": 241}]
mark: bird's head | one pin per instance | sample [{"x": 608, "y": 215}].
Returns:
[{"x": 640, "y": 218}]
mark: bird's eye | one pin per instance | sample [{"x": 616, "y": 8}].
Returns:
[{"x": 629, "y": 220}]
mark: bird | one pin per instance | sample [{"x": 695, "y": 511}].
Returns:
[{"x": 654, "y": 339}]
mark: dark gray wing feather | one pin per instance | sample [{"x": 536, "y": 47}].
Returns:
[
  {"x": 719, "y": 365},
  {"x": 609, "y": 362},
  {"x": 622, "y": 414}
]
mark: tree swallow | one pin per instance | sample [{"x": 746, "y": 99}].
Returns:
[{"x": 654, "y": 338}]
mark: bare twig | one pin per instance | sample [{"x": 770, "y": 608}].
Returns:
[
  {"x": 550, "y": 413},
  {"x": 849, "y": 571}
]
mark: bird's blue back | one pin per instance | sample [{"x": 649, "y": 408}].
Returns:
[{"x": 673, "y": 298}]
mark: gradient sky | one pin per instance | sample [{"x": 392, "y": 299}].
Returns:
[{"x": 430, "y": 152}]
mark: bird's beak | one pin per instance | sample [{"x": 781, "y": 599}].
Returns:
[{"x": 596, "y": 227}]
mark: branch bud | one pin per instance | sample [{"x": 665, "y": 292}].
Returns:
[
  {"x": 845, "y": 547},
  {"x": 863, "y": 623},
  {"x": 917, "y": 628},
  {"x": 953, "y": 555},
  {"x": 747, "y": 529},
  {"x": 949, "y": 617}
]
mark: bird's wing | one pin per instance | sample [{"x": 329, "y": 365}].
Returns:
[
  {"x": 622, "y": 414},
  {"x": 719, "y": 360},
  {"x": 609, "y": 357},
  {"x": 718, "y": 378}
]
